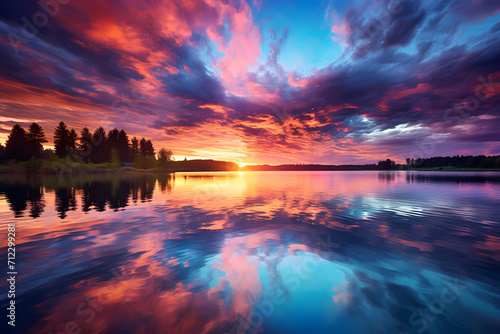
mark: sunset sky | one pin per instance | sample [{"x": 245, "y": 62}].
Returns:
[{"x": 260, "y": 81}]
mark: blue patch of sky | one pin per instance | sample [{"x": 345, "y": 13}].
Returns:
[{"x": 309, "y": 44}]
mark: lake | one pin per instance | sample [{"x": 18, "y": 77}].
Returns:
[{"x": 255, "y": 252}]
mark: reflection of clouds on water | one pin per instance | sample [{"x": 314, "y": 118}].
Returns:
[{"x": 203, "y": 254}]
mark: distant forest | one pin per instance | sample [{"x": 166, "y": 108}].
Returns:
[
  {"x": 458, "y": 162},
  {"x": 462, "y": 161},
  {"x": 97, "y": 147}
]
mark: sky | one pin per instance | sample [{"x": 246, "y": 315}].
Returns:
[{"x": 260, "y": 81}]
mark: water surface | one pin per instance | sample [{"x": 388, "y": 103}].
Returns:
[{"x": 256, "y": 252}]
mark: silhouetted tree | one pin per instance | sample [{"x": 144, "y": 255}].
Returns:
[
  {"x": 111, "y": 141},
  {"x": 94, "y": 147},
  {"x": 115, "y": 159},
  {"x": 150, "y": 151},
  {"x": 72, "y": 140},
  {"x": 164, "y": 157},
  {"x": 99, "y": 153},
  {"x": 16, "y": 146},
  {"x": 123, "y": 146},
  {"x": 35, "y": 139},
  {"x": 134, "y": 149},
  {"x": 142, "y": 148},
  {"x": 146, "y": 158},
  {"x": 386, "y": 165},
  {"x": 480, "y": 161},
  {"x": 2, "y": 153},
  {"x": 487, "y": 163},
  {"x": 61, "y": 140},
  {"x": 85, "y": 146}
]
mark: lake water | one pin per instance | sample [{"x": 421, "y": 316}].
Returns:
[{"x": 255, "y": 252}]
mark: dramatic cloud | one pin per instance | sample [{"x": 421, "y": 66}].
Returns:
[{"x": 340, "y": 82}]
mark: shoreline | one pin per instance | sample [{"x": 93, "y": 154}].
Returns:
[
  {"x": 168, "y": 171},
  {"x": 61, "y": 167}
]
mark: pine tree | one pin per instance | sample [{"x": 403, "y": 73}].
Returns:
[
  {"x": 142, "y": 148},
  {"x": 150, "y": 151},
  {"x": 35, "y": 139},
  {"x": 61, "y": 140},
  {"x": 85, "y": 146},
  {"x": 111, "y": 142},
  {"x": 114, "y": 160},
  {"x": 16, "y": 146},
  {"x": 134, "y": 149},
  {"x": 123, "y": 146},
  {"x": 2, "y": 153},
  {"x": 72, "y": 139},
  {"x": 99, "y": 153}
]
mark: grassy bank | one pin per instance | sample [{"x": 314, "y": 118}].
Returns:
[
  {"x": 59, "y": 166},
  {"x": 66, "y": 166}
]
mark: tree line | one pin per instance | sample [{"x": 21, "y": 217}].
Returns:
[
  {"x": 458, "y": 161},
  {"x": 97, "y": 147}
]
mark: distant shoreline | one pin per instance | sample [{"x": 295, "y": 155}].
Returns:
[
  {"x": 361, "y": 168},
  {"x": 65, "y": 166},
  {"x": 107, "y": 170}
]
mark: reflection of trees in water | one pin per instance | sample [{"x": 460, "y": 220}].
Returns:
[
  {"x": 467, "y": 177},
  {"x": 96, "y": 195},
  {"x": 165, "y": 182},
  {"x": 65, "y": 200},
  {"x": 119, "y": 195},
  {"x": 35, "y": 198},
  {"x": 19, "y": 195},
  {"x": 114, "y": 194},
  {"x": 97, "y": 192},
  {"x": 387, "y": 177},
  {"x": 146, "y": 186}
]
